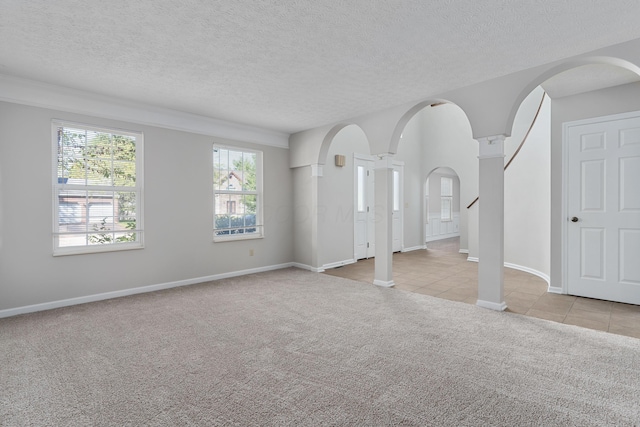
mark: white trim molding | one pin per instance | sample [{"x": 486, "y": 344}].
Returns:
[
  {"x": 317, "y": 170},
  {"x": 133, "y": 291},
  {"x": 383, "y": 161},
  {"x": 307, "y": 267},
  {"x": 521, "y": 268},
  {"x": 491, "y": 146},
  {"x": 38, "y": 94},
  {"x": 492, "y": 305},
  {"x": 555, "y": 290},
  {"x": 436, "y": 229},
  {"x": 540, "y": 274},
  {"x": 337, "y": 264},
  {"x": 464, "y": 251},
  {"x": 414, "y": 248},
  {"x": 384, "y": 284}
]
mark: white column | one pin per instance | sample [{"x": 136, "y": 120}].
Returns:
[
  {"x": 383, "y": 197},
  {"x": 316, "y": 174},
  {"x": 491, "y": 224}
]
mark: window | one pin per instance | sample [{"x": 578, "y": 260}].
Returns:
[
  {"x": 446, "y": 198},
  {"x": 360, "y": 191},
  {"x": 426, "y": 201},
  {"x": 237, "y": 194},
  {"x": 97, "y": 182},
  {"x": 396, "y": 191}
]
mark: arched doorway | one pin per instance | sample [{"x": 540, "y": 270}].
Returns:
[
  {"x": 336, "y": 193},
  {"x": 584, "y": 101}
]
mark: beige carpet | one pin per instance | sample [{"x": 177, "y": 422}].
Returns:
[{"x": 293, "y": 348}]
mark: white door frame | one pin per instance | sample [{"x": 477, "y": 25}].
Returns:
[
  {"x": 398, "y": 166},
  {"x": 369, "y": 197},
  {"x": 565, "y": 184}
]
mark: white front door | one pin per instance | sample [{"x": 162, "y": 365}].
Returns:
[
  {"x": 364, "y": 217},
  {"x": 603, "y": 208},
  {"x": 397, "y": 213}
]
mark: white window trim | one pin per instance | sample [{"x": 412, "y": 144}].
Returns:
[
  {"x": 448, "y": 198},
  {"x": 258, "y": 192},
  {"x": 139, "y": 189}
]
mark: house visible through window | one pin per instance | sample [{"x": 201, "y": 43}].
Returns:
[
  {"x": 446, "y": 198},
  {"x": 97, "y": 181},
  {"x": 237, "y": 193}
]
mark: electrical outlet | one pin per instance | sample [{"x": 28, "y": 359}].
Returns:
[{"x": 250, "y": 252}]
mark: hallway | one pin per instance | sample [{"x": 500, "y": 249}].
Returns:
[{"x": 443, "y": 272}]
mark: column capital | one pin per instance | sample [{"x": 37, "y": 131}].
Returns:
[
  {"x": 491, "y": 146},
  {"x": 383, "y": 161},
  {"x": 316, "y": 170}
]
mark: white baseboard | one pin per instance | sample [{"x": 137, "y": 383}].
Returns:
[
  {"x": 307, "y": 267},
  {"x": 384, "y": 284},
  {"x": 441, "y": 237},
  {"x": 555, "y": 290},
  {"x": 414, "y": 248},
  {"x": 492, "y": 305},
  {"x": 463, "y": 251},
  {"x": 528, "y": 270},
  {"x": 133, "y": 291},
  {"x": 338, "y": 264},
  {"x": 519, "y": 267}
]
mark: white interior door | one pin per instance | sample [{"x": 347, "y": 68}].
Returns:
[
  {"x": 397, "y": 214},
  {"x": 364, "y": 226},
  {"x": 603, "y": 209}
]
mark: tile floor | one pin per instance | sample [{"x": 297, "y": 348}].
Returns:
[{"x": 443, "y": 272}]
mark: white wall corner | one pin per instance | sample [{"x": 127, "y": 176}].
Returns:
[
  {"x": 307, "y": 267},
  {"x": 491, "y": 146}
]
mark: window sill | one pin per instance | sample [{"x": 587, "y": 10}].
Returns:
[
  {"x": 234, "y": 238},
  {"x": 82, "y": 250}
]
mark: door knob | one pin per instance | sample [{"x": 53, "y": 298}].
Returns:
[{"x": 574, "y": 219}]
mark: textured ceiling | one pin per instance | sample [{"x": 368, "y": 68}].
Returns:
[{"x": 291, "y": 65}]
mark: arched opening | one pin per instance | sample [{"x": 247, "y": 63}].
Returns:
[
  {"x": 342, "y": 150},
  {"x": 583, "y": 101},
  {"x": 434, "y": 135}
]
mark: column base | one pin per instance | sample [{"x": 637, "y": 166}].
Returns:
[
  {"x": 492, "y": 305},
  {"x": 384, "y": 284}
]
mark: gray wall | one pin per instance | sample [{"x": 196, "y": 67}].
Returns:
[
  {"x": 177, "y": 215},
  {"x": 336, "y": 197},
  {"x": 620, "y": 99},
  {"x": 527, "y": 188},
  {"x": 410, "y": 152},
  {"x": 447, "y": 142}
]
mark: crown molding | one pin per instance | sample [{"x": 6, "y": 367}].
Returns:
[{"x": 38, "y": 94}]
